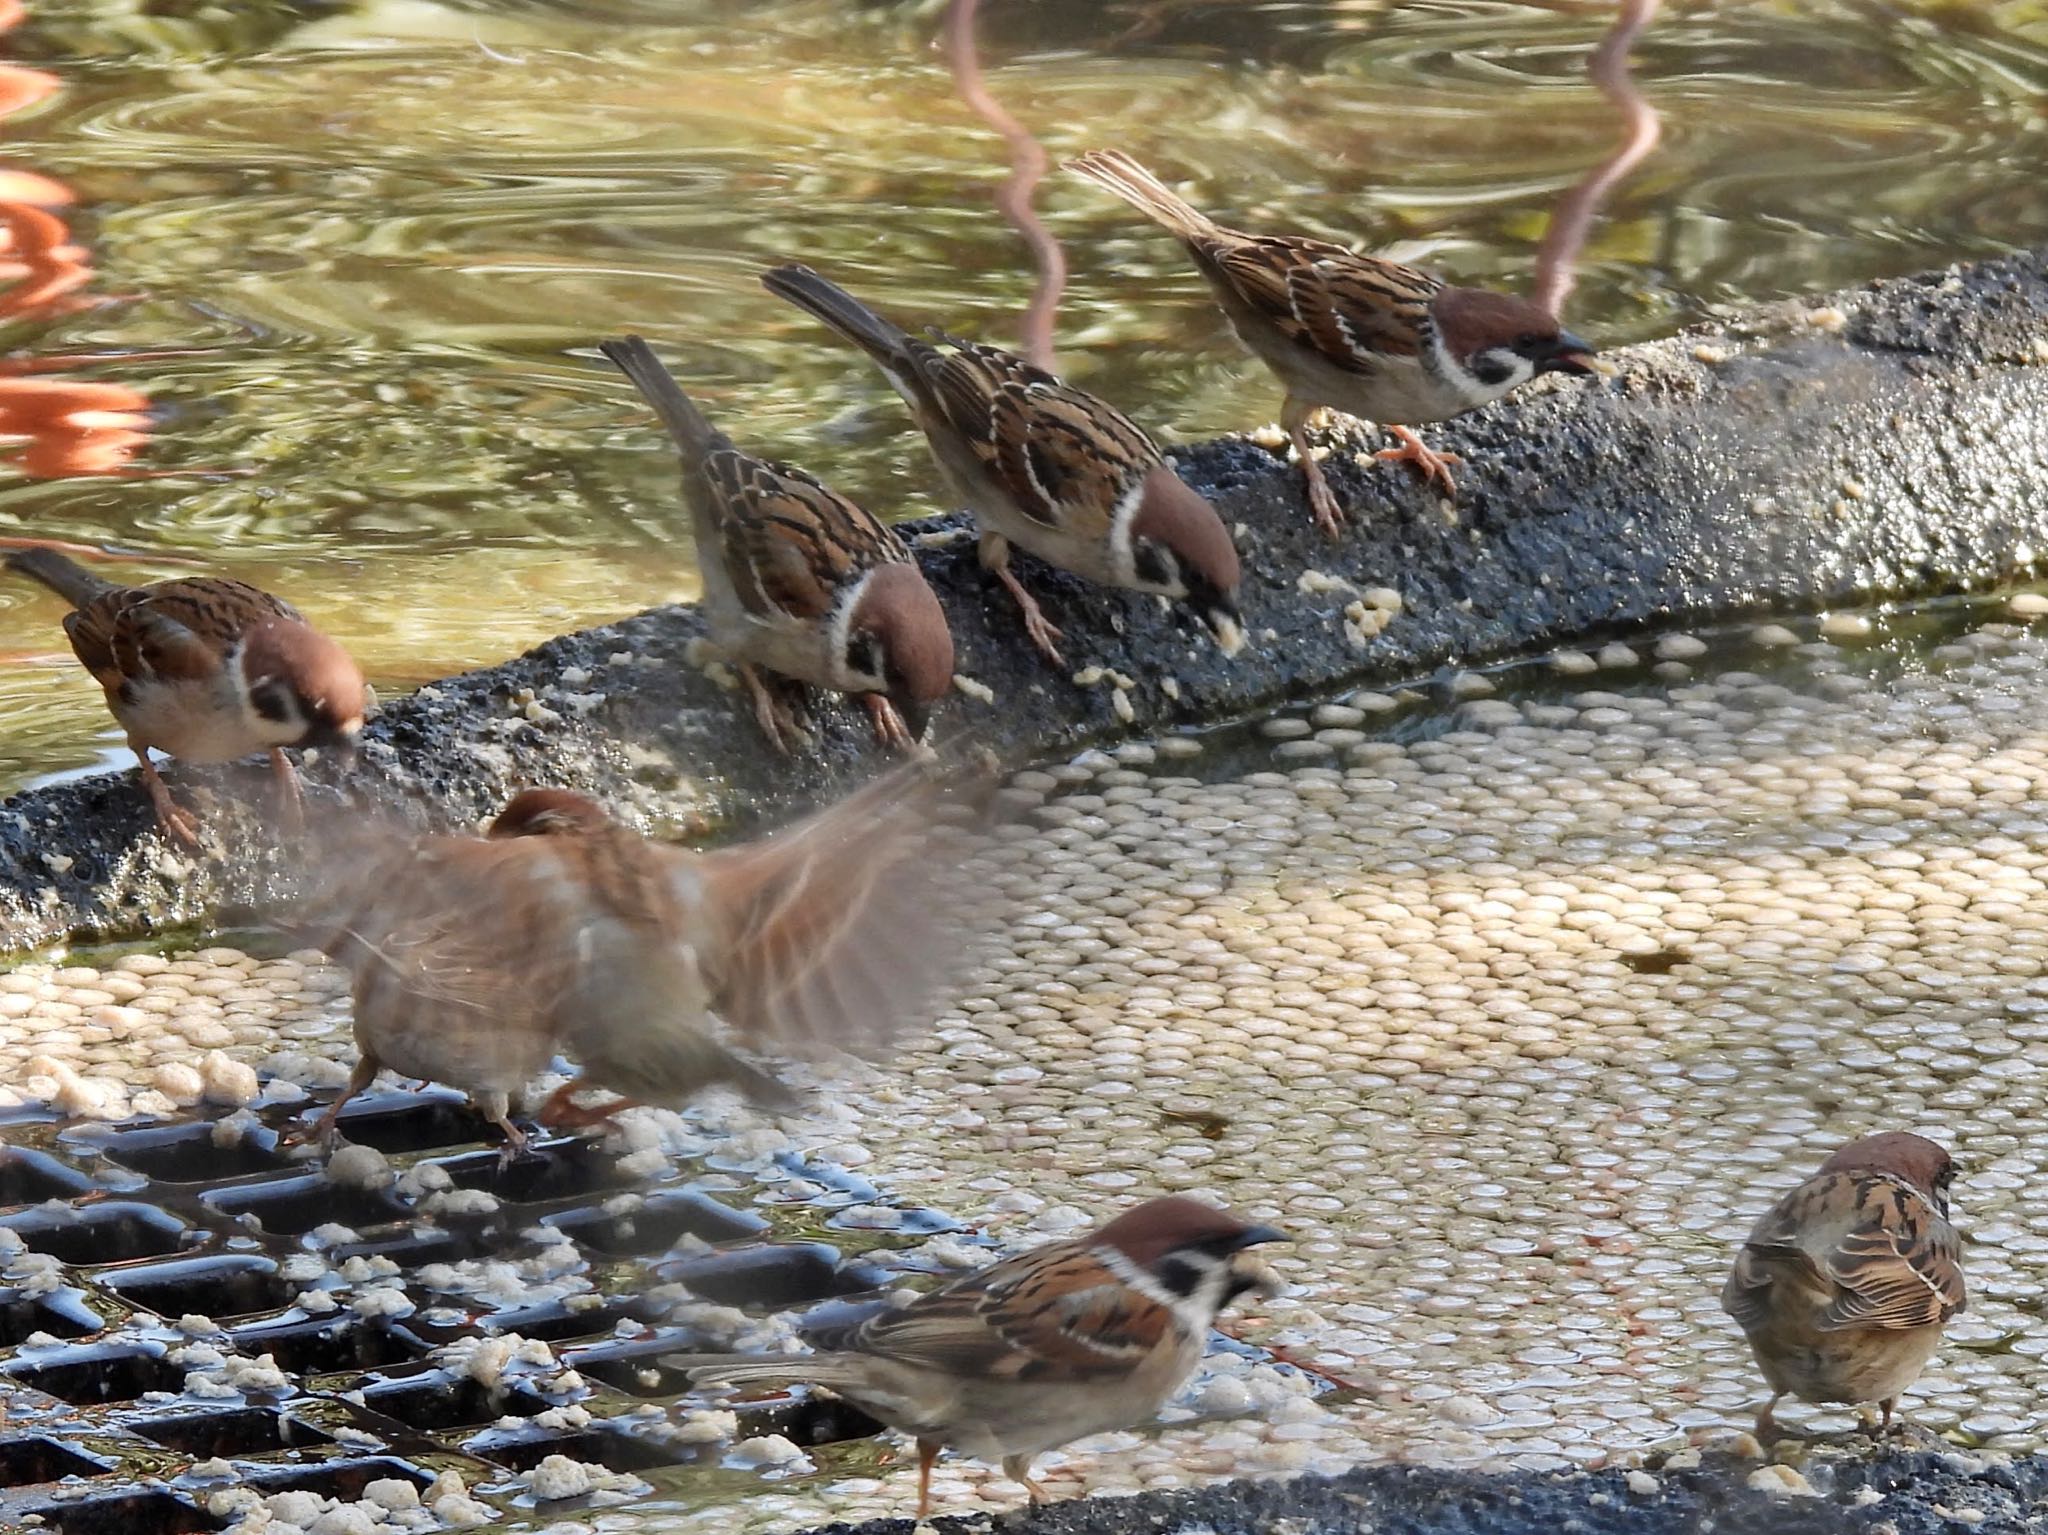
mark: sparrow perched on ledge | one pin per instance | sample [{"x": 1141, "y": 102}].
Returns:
[
  {"x": 797, "y": 579},
  {"x": 205, "y": 669},
  {"x": 1368, "y": 336},
  {"x": 1844, "y": 1286},
  {"x": 474, "y": 960},
  {"x": 1044, "y": 466},
  {"x": 1073, "y": 1338}
]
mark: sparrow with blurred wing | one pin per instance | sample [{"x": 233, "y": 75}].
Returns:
[
  {"x": 1073, "y": 1338},
  {"x": 798, "y": 580},
  {"x": 1044, "y": 466},
  {"x": 205, "y": 669},
  {"x": 475, "y": 959},
  {"x": 1844, "y": 1286},
  {"x": 1368, "y": 336}
]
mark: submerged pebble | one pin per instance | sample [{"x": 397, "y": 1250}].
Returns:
[{"x": 1515, "y": 1027}]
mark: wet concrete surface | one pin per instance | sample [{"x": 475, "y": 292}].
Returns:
[{"x": 1888, "y": 441}]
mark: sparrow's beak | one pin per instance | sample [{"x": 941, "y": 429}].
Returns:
[
  {"x": 1570, "y": 355},
  {"x": 1255, "y": 1236},
  {"x": 339, "y": 741},
  {"x": 914, "y": 713}
]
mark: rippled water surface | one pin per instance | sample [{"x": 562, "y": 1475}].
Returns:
[{"x": 313, "y": 289}]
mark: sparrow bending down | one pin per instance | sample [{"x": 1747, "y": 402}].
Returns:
[
  {"x": 1844, "y": 1286},
  {"x": 798, "y": 580},
  {"x": 1044, "y": 466},
  {"x": 474, "y": 960},
  {"x": 1073, "y": 1338},
  {"x": 205, "y": 669},
  {"x": 1371, "y": 337}
]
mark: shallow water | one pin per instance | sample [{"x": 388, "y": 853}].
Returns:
[
  {"x": 338, "y": 269},
  {"x": 1513, "y": 1009}
]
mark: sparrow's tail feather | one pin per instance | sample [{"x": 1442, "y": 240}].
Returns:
[
  {"x": 843, "y": 929},
  {"x": 836, "y": 1371},
  {"x": 901, "y": 356},
  {"x": 61, "y": 574},
  {"x": 693, "y": 434},
  {"x": 1115, "y": 171}
]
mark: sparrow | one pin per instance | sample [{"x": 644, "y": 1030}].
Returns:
[
  {"x": 1045, "y": 467},
  {"x": 798, "y": 580},
  {"x": 1369, "y": 336},
  {"x": 1844, "y": 1286},
  {"x": 474, "y": 960},
  {"x": 205, "y": 669},
  {"x": 1072, "y": 1338}
]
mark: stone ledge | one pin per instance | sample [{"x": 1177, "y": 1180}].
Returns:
[{"x": 1884, "y": 442}]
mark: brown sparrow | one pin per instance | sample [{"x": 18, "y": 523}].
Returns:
[
  {"x": 1044, "y": 466},
  {"x": 474, "y": 960},
  {"x": 205, "y": 669},
  {"x": 1369, "y": 336},
  {"x": 1843, "y": 1288},
  {"x": 1073, "y": 1338},
  {"x": 797, "y": 579}
]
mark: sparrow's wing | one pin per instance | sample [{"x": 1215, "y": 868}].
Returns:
[
  {"x": 1353, "y": 310},
  {"x": 1067, "y": 459},
  {"x": 174, "y": 630},
  {"x": 1055, "y": 1313},
  {"x": 1899, "y": 1265},
  {"x": 791, "y": 544},
  {"x": 841, "y": 930}
]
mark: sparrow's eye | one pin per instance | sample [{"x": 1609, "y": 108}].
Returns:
[
  {"x": 1529, "y": 341},
  {"x": 1153, "y": 565}
]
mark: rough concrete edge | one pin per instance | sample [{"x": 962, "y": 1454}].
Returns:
[
  {"x": 1888, "y": 441},
  {"x": 1836, "y": 1490}
]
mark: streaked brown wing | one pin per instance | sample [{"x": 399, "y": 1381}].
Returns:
[
  {"x": 1056, "y": 1313},
  {"x": 1065, "y": 457},
  {"x": 790, "y": 542},
  {"x": 1350, "y": 309},
  {"x": 172, "y": 630},
  {"x": 1900, "y": 1266},
  {"x": 837, "y": 932}
]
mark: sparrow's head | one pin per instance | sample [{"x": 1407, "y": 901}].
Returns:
[
  {"x": 1501, "y": 340},
  {"x": 1180, "y": 548},
  {"x": 549, "y": 813},
  {"x": 898, "y": 643},
  {"x": 1186, "y": 1248},
  {"x": 1912, "y": 1159},
  {"x": 305, "y": 688}
]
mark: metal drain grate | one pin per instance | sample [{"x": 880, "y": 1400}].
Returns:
[{"x": 186, "y": 1311}]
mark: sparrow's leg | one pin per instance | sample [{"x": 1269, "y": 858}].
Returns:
[
  {"x": 1429, "y": 463},
  {"x": 890, "y": 731},
  {"x": 1766, "y": 1419},
  {"x": 170, "y": 815},
  {"x": 291, "y": 801},
  {"x": 995, "y": 558},
  {"x": 776, "y": 721},
  {"x": 1884, "y": 1422},
  {"x": 322, "y": 1129},
  {"x": 1018, "y": 1469},
  {"x": 1295, "y": 416},
  {"x": 560, "y": 1113},
  {"x": 927, "y": 1453}
]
